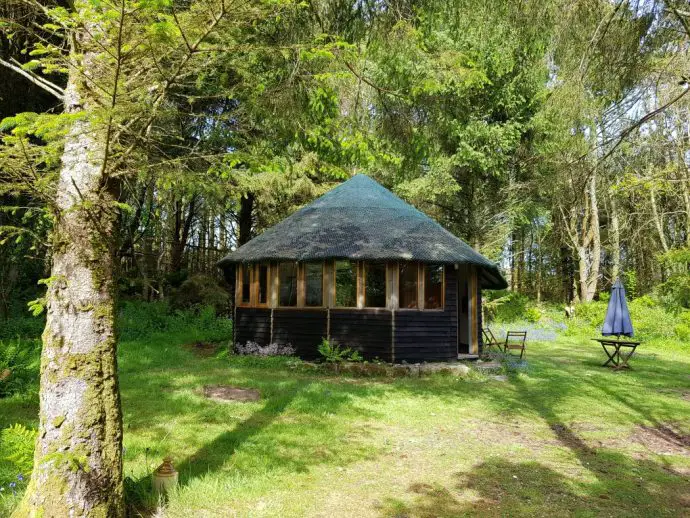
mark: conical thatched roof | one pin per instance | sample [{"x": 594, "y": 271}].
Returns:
[{"x": 360, "y": 219}]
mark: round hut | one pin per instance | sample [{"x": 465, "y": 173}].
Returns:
[{"x": 364, "y": 269}]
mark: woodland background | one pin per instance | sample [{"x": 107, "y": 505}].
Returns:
[{"x": 552, "y": 136}]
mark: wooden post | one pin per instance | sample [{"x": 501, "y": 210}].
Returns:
[
  {"x": 392, "y": 286},
  {"x": 274, "y": 283},
  {"x": 473, "y": 310}
]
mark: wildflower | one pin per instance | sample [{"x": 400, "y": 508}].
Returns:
[
  {"x": 20, "y": 477},
  {"x": 13, "y": 485}
]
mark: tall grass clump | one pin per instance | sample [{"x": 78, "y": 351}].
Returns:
[{"x": 140, "y": 320}]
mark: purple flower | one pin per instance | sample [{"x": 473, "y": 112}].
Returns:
[
  {"x": 13, "y": 485},
  {"x": 20, "y": 477}
]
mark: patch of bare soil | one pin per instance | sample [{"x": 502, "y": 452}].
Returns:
[
  {"x": 228, "y": 393},
  {"x": 203, "y": 349},
  {"x": 662, "y": 439}
]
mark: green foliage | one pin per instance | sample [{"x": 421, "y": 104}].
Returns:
[
  {"x": 138, "y": 320},
  {"x": 199, "y": 291},
  {"x": 17, "y": 447},
  {"x": 533, "y": 314},
  {"x": 19, "y": 365},
  {"x": 334, "y": 353},
  {"x": 505, "y": 306}
]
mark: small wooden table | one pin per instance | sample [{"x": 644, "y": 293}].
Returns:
[{"x": 612, "y": 347}]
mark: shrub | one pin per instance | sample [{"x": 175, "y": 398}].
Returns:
[
  {"x": 201, "y": 291},
  {"x": 682, "y": 329},
  {"x": 533, "y": 314},
  {"x": 22, "y": 327},
  {"x": 334, "y": 353},
  {"x": 505, "y": 306},
  {"x": 17, "y": 446},
  {"x": 254, "y": 349},
  {"x": 137, "y": 320},
  {"x": 19, "y": 365}
]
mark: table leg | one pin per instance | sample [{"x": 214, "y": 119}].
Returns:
[
  {"x": 612, "y": 358},
  {"x": 624, "y": 359}
]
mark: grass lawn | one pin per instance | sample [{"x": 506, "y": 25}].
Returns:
[{"x": 564, "y": 437}]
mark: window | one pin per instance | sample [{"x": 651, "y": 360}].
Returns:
[
  {"x": 287, "y": 275},
  {"x": 375, "y": 285},
  {"x": 409, "y": 281},
  {"x": 313, "y": 280},
  {"x": 246, "y": 283},
  {"x": 262, "y": 272},
  {"x": 433, "y": 286},
  {"x": 345, "y": 284}
]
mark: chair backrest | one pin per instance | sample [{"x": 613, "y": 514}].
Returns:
[
  {"x": 516, "y": 337},
  {"x": 489, "y": 337}
]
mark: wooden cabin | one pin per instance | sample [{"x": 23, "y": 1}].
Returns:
[{"x": 364, "y": 269}]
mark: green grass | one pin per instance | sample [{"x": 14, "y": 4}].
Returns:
[{"x": 564, "y": 437}]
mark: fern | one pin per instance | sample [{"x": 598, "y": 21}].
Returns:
[{"x": 17, "y": 446}]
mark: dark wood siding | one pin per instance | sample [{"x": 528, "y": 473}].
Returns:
[
  {"x": 479, "y": 321},
  {"x": 366, "y": 330},
  {"x": 419, "y": 335},
  {"x": 302, "y": 328},
  {"x": 429, "y": 335},
  {"x": 253, "y": 324}
]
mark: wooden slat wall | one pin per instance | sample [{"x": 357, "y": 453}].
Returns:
[
  {"x": 419, "y": 335},
  {"x": 366, "y": 330},
  {"x": 429, "y": 335},
  {"x": 302, "y": 328},
  {"x": 253, "y": 324}
]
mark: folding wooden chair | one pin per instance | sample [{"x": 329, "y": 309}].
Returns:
[
  {"x": 490, "y": 340},
  {"x": 515, "y": 340}
]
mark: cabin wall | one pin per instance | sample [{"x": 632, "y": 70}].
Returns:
[
  {"x": 390, "y": 335},
  {"x": 429, "y": 335},
  {"x": 369, "y": 331},
  {"x": 302, "y": 328},
  {"x": 252, "y": 325}
]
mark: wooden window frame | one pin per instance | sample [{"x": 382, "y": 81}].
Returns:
[
  {"x": 386, "y": 303},
  {"x": 254, "y": 294},
  {"x": 324, "y": 304},
  {"x": 418, "y": 266},
  {"x": 240, "y": 285},
  {"x": 358, "y": 291},
  {"x": 423, "y": 267},
  {"x": 297, "y": 302}
]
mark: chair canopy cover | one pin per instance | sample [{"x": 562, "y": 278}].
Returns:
[{"x": 617, "y": 320}]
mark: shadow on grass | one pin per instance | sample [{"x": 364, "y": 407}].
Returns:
[{"x": 499, "y": 487}]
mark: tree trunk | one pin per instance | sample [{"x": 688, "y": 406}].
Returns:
[
  {"x": 589, "y": 250},
  {"x": 246, "y": 218},
  {"x": 615, "y": 240},
  {"x": 78, "y": 457}
]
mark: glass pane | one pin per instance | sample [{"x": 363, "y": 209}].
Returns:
[
  {"x": 345, "y": 284},
  {"x": 408, "y": 285},
  {"x": 287, "y": 274},
  {"x": 263, "y": 283},
  {"x": 375, "y": 285},
  {"x": 433, "y": 286},
  {"x": 246, "y": 283},
  {"x": 313, "y": 273}
]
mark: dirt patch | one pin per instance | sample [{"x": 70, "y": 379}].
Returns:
[
  {"x": 662, "y": 439},
  {"x": 228, "y": 393},
  {"x": 203, "y": 349}
]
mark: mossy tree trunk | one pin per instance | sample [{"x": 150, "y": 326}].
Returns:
[{"x": 78, "y": 457}]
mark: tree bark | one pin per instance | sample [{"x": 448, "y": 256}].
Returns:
[
  {"x": 589, "y": 251},
  {"x": 246, "y": 218},
  {"x": 615, "y": 239},
  {"x": 78, "y": 457}
]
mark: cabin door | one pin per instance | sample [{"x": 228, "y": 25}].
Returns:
[{"x": 464, "y": 336}]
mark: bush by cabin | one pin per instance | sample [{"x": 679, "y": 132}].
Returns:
[{"x": 364, "y": 269}]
